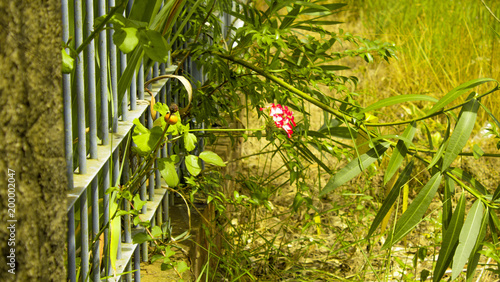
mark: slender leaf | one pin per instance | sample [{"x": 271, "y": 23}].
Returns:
[
  {"x": 415, "y": 211},
  {"x": 456, "y": 92},
  {"x": 461, "y": 134},
  {"x": 449, "y": 187},
  {"x": 398, "y": 100},
  {"x": 333, "y": 67},
  {"x": 477, "y": 151},
  {"x": 470, "y": 179},
  {"x": 496, "y": 194},
  {"x": 339, "y": 132},
  {"x": 450, "y": 240},
  {"x": 475, "y": 254},
  {"x": 468, "y": 237},
  {"x": 399, "y": 152},
  {"x": 391, "y": 198},
  {"x": 494, "y": 224},
  {"x": 490, "y": 114},
  {"x": 354, "y": 168}
]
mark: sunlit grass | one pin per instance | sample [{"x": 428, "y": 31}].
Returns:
[{"x": 442, "y": 44}]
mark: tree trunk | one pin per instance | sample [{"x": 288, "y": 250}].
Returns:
[{"x": 32, "y": 164}]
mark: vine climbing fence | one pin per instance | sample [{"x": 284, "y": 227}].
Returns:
[{"x": 103, "y": 94}]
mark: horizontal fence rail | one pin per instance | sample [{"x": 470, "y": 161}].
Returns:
[{"x": 97, "y": 129}]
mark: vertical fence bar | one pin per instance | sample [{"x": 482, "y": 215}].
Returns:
[
  {"x": 114, "y": 76},
  {"x": 80, "y": 90},
  {"x": 84, "y": 230},
  {"x": 91, "y": 83},
  {"x": 137, "y": 264},
  {"x": 133, "y": 84},
  {"x": 123, "y": 65},
  {"x": 142, "y": 192},
  {"x": 68, "y": 123},
  {"x": 115, "y": 173},
  {"x": 103, "y": 62},
  {"x": 71, "y": 246},
  {"x": 94, "y": 195},
  {"x": 105, "y": 215},
  {"x": 68, "y": 146}
]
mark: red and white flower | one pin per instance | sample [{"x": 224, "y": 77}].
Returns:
[{"x": 282, "y": 117}]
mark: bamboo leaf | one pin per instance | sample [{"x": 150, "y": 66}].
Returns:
[
  {"x": 468, "y": 237},
  {"x": 475, "y": 255},
  {"x": 456, "y": 92},
  {"x": 461, "y": 134},
  {"x": 354, "y": 168},
  {"x": 398, "y": 100},
  {"x": 333, "y": 67},
  {"x": 391, "y": 198},
  {"x": 496, "y": 194},
  {"x": 415, "y": 211},
  {"x": 450, "y": 240},
  {"x": 471, "y": 180},
  {"x": 399, "y": 152},
  {"x": 449, "y": 188}
]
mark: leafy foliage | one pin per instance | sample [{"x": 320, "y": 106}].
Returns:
[{"x": 284, "y": 54}]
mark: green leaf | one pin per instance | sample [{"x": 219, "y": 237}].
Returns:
[
  {"x": 415, "y": 211},
  {"x": 475, "y": 254},
  {"x": 399, "y": 152},
  {"x": 398, "y": 100},
  {"x": 496, "y": 194},
  {"x": 477, "y": 151},
  {"x": 354, "y": 168},
  {"x": 339, "y": 132},
  {"x": 143, "y": 10},
  {"x": 146, "y": 141},
  {"x": 468, "y": 236},
  {"x": 156, "y": 231},
  {"x": 471, "y": 180},
  {"x": 161, "y": 108},
  {"x": 140, "y": 238},
  {"x": 68, "y": 62},
  {"x": 182, "y": 266},
  {"x": 138, "y": 203},
  {"x": 168, "y": 171},
  {"x": 333, "y": 67},
  {"x": 193, "y": 165},
  {"x": 450, "y": 240},
  {"x": 391, "y": 198},
  {"x": 212, "y": 158},
  {"x": 154, "y": 45},
  {"x": 456, "y": 92},
  {"x": 189, "y": 141},
  {"x": 126, "y": 39},
  {"x": 449, "y": 188},
  {"x": 461, "y": 134}
]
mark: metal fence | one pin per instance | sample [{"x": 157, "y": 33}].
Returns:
[{"x": 96, "y": 133}]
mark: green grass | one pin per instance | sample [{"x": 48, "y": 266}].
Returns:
[{"x": 442, "y": 43}]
